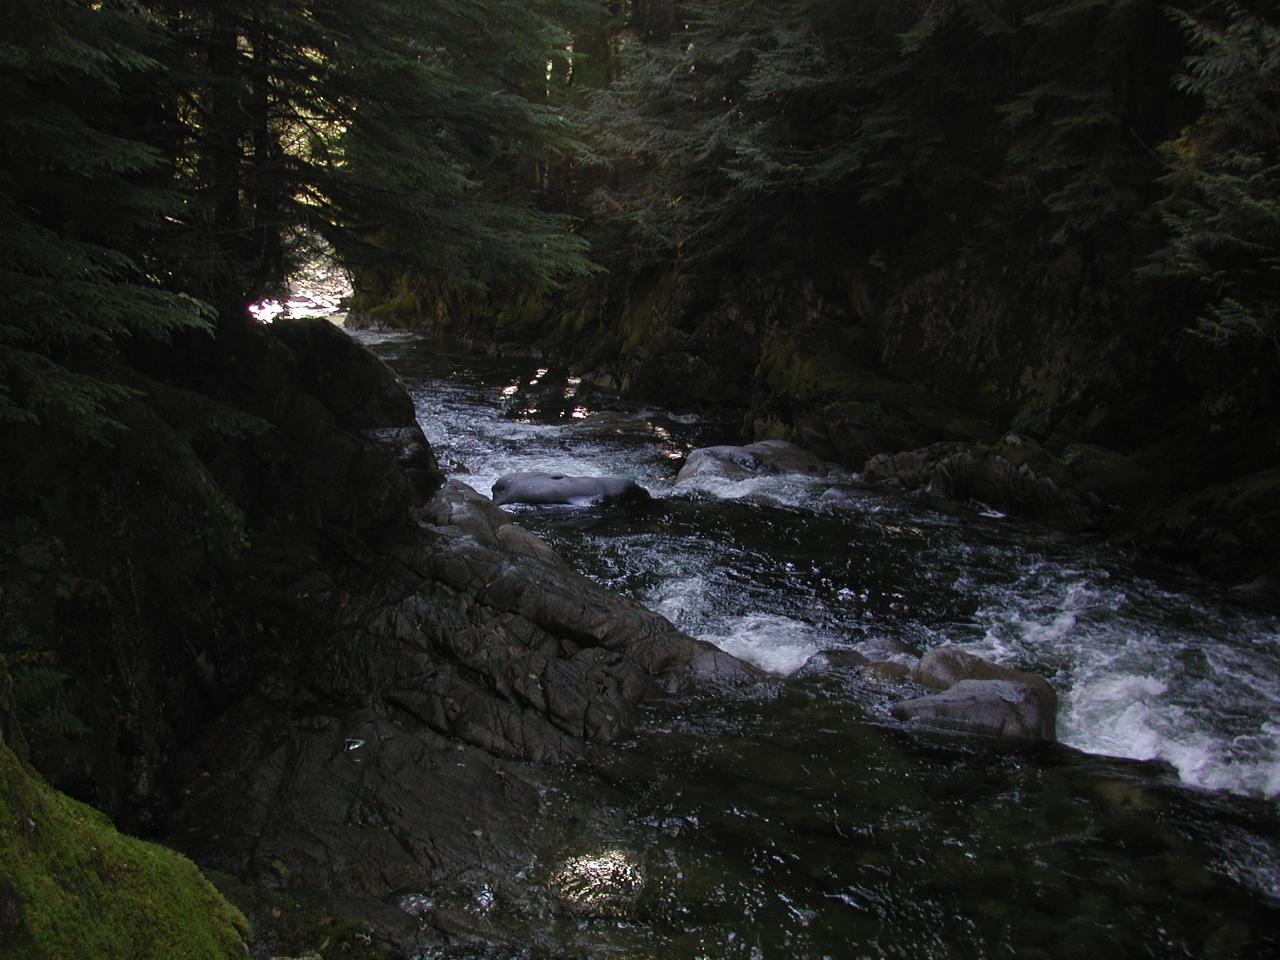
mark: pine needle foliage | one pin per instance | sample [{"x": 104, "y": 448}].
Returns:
[
  {"x": 923, "y": 128},
  {"x": 164, "y": 163},
  {"x": 76, "y": 212},
  {"x": 1222, "y": 210}
]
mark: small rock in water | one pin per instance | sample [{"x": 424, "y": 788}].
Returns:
[
  {"x": 888, "y": 670},
  {"x": 943, "y": 667},
  {"x": 826, "y": 660},
  {"x": 846, "y": 496}
]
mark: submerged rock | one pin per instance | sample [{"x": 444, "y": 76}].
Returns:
[
  {"x": 755, "y": 459},
  {"x": 550, "y": 489},
  {"x": 889, "y": 671},
  {"x": 825, "y": 661}
]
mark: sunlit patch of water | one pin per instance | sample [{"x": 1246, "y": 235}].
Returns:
[
  {"x": 318, "y": 290},
  {"x": 601, "y": 884}
]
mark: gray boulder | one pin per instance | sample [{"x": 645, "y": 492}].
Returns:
[
  {"x": 986, "y": 701},
  {"x": 548, "y": 489},
  {"x": 944, "y": 667},
  {"x": 764, "y": 458},
  {"x": 1000, "y": 708}
]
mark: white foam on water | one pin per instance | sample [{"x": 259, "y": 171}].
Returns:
[
  {"x": 682, "y": 600},
  {"x": 782, "y": 490},
  {"x": 1197, "y": 691},
  {"x": 773, "y": 643},
  {"x": 1116, "y": 715},
  {"x": 1142, "y": 672},
  {"x": 372, "y": 336}
]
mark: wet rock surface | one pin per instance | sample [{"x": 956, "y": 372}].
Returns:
[
  {"x": 997, "y": 707},
  {"x": 980, "y": 696},
  {"x": 554, "y": 489},
  {"x": 345, "y": 678},
  {"x": 755, "y": 459},
  {"x": 390, "y": 743}
]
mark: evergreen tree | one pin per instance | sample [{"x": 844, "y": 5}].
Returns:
[
  {"x": 159, "y": 156},
  {"x": 78, "y": 215},
  {"x": 1223, "y": 177}
]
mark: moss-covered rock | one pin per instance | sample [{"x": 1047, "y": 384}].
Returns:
[{"x": 73, "y": 888}]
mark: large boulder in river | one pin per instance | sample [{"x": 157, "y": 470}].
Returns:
[
  {"x": 551, "y": 489},
  {"x": 944, "y": 667},
  {"x": 986, "y": 701},
  {"x": 999, "y": 708},
  {"x": 763, "y": 458}
]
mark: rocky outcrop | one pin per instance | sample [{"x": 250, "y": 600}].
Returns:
[
  {"x": 300, "y": 658},
  {"x": 555, "y": 489},
  {"x": 764, "y": 458},
  {"x": 977, "y": 474},
  {"x": 468, "y": 649},
  {"x": 979, "y": 696}
]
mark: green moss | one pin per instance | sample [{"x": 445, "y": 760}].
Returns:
[
  {"x": 1114, "y": 477},
  {"x": 1248, "y": 506},
  {"x": 808, "y": 378},
  {"x": 403, "y": 305},
  {"x": 71, "y": 886}
]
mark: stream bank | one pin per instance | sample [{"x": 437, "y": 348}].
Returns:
[
  {"x": 1059, "y": 380},
  {"x": 389, "y": 720},
  {"x": 271, "y": 635}
]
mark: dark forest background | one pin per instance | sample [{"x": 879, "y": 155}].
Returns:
[
  {"x": 1033, "y": 240},
  {"x": 870, "y": 226}
]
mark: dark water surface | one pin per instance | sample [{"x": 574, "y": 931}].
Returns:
[{"x": 805, "y": 822}]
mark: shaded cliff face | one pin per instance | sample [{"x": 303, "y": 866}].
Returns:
[{"x": 286, "y": 648}]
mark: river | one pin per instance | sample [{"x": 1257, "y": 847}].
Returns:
[{"x": 805, "y": 822}]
